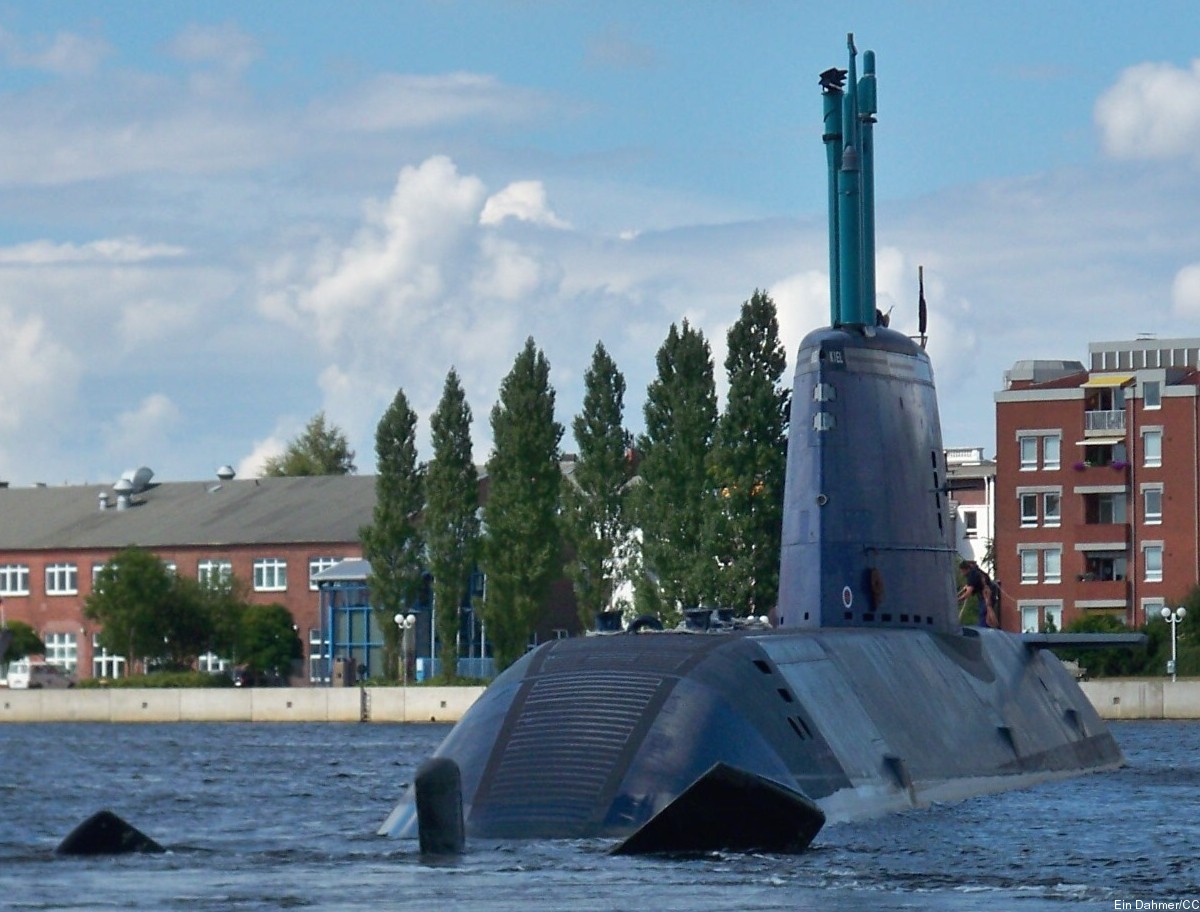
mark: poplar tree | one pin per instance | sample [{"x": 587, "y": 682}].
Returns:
[
  {"x": 451, "y": 517},
  {"x": 748, "y": 462},
  {"x": 680, "y": 419},
  {"x": 393, "y": 543},
  {"x": 596, "y": 514},
  {"x": 521, "y": 544}
]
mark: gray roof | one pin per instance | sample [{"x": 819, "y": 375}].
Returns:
[
  {"x": 326, "y": 508},
  {"x": 352, "y": 570}
]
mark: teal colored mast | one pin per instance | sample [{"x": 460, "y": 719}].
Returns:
[{"x": 850, "y": 153}]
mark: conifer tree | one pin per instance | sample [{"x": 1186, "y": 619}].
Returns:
[
  {"x": 748, "y": 462},
  {"x": 680, "y": 418},
  {"x": 521, "y": 545},
  {"x": 451, "y": 517},
  {"x": 597, "y": 520},
  {"x": 393, "y": 543},
  {"x": 321, "y": 450}
]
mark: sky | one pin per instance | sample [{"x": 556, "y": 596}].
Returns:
[{"x": 218, "y": 219}]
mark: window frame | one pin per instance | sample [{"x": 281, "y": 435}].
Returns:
[
  {"x": 11, "y": 577},
  {"x": 62, "y": 578},
  {"x": 1152, "y": 571},
  {"x": 1053, "y": 519},
  {"x": 1149, "y": 518},
  {"x": 1056, "y": 463},
  {"x": 270, "y": 574},
  {"x": 1027, "y": 462},
  {"x": 1025, "y": 556},
  {"x": 1028, "y": 505},
  {"x": 1152, "y": 460}
]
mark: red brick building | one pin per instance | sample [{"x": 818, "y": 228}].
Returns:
[
  {"x": 1096, "y": 484},
  {"x": 273, "y": 533}
]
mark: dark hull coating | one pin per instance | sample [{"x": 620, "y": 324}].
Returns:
[{"x": 592, "y": 737}]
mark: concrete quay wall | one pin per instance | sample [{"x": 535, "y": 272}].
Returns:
[
  {"x": 274, "y": 704},
  {"x": 1114, "y": 698}
]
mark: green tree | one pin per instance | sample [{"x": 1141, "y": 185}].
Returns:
[
  {"x": 451, "y": 516},
  {"x": 393, "y": 544},
  {"x": 748, "y": 461},
  {"x": 132, "y": 599},
  {"x": 267, "y": 639},
  {"x": 680, "y": 420},
  {"x": 321, "y": 450},
  {"x": 597, "y": 520},
  {"x": 23, "y": 641},
  {"x": 521, "y": 546}
]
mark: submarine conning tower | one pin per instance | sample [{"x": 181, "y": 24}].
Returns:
[{"x": 866, "y": 529}]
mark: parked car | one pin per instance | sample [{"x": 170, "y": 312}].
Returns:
[{"x": 26, "y": 675}]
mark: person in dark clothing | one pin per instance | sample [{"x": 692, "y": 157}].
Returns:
[{"x": 977, "y": 584}]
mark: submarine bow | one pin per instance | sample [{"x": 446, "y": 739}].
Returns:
[{"x": 863, "y": 695}]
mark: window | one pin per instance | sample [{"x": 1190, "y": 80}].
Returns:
[
  {"x": 1051, "y": 509},
  {"x": 1152, "y": 557},
  {"x": 1053, "y": 615},
  {"x": 96, "y": 568},
  {"x": 1152, "y": 608},
  {"x": 316, "y": 565},
  {"x": 1029, "y": 565},
  {"x": 61, "y": 650},
  {"x": 1029, "y": 509},
  {"x": 1104, "y": 509},
  {"x": 1051, "y": 451},
  {"x": 214, "y": 572},
  {"x": 62, "y": 579},
  {"x": 14, "y": 579},
  {"x": 1044, "y": 618},
  {"x": 1052, "y": 565},
  {"x": 1152, "y": 448},
  {"x": 1105, "y": 565},
  {"x": 970, "y": 524},
  {"x": 1152, "y": 505},
  {"x": 1030, "y": 622},
  {"x": 1151, "y": 394},
  {"x": 270, "y": 574},
  {"x": 1029, "y": 453}
]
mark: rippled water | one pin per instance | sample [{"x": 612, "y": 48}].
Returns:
[{"x": 283, "y": 817}]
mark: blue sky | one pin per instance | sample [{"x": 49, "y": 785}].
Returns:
[{"x": 218, "y": 218}]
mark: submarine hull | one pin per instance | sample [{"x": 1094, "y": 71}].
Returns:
[{"x": 593, "y": 737}]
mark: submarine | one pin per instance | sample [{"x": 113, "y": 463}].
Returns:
[{"x": 862, "y": 693}]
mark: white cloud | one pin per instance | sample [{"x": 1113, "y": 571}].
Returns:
[
  {"x": 252, "y": 464},
  {"x": 1185, "y": 292},
  {"x": 138, "y": 436},
  {"x": 524, "y": 201},
  {"x": 1152, "y": 112},
  {"x": 39, "y": 374},
  {"x": 64, "y": 54},
  {"x": 108, "y": 250},
  {"x": 225, "y": 46},
  {"x": 408, "y": 102}
]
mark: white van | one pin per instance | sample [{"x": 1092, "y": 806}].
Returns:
[{"x": 26, "y": 675}]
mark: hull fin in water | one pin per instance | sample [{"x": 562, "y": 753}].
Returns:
[{"x": 733, "y": 810}]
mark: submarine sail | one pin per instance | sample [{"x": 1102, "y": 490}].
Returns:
[{"x": 863, "y": 694}]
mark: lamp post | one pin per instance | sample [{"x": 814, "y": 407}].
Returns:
[
  {"x": 1173, "y": 618},
  {"x": 405, "y": 622}
]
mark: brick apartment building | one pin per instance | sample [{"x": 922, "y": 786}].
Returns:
[{"x": 1097, "y": 507}]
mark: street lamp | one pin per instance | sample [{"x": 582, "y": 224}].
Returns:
[
  {"x": 1173, "y": 618},
  {"x": 405, "y": 622}
]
